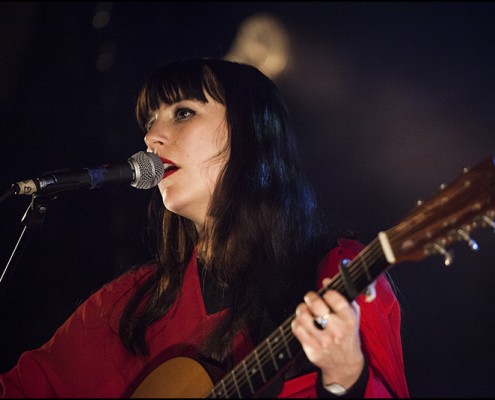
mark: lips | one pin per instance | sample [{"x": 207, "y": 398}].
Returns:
[{"x": 169, "y": 167}]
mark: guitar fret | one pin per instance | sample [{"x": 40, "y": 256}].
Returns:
[
  {"x": 282, "y": 350},
  {"x": 260, "y": 368},
  {"x": 217, "y": 392},
  {"x": 266, "y": 360},
  {"x": 285, "y": 342},
  {"x": 291, "y": 341},
  {"x": 275, "y": 364},
  {"x": 366, "y": 269},
  {"x": 248, "y": 377},
  {"x": 235, "y": 383},
  {"x": 254, "y": 372},
  {"x": 224, "y": 389}
]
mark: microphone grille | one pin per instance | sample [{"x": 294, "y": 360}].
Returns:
[{"x": 148, "y": 169}]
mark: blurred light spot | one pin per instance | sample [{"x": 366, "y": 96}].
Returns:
[
  {"x": 262, "y": 41},
  {"x": 106, "y": 59},
  {"x": 102, "y": 14},
  {"x": 104, "y": 62},
  {"x": 101, "y": 19}
]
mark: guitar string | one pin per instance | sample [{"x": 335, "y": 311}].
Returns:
[{"x": 278, "y": 344}]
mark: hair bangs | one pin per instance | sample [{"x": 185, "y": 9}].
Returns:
[{"x": 174, "y": 83}]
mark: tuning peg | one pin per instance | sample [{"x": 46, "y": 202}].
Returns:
[
  {"x": 448, "y": 255},
  {"x": 471, "y": 243},
  {"x": 486, "y": 219}
]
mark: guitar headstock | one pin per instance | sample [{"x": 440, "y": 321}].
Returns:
[{"x": 459, "y": 208}]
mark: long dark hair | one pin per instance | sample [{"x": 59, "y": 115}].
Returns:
[{"x": 261, "y": 242}]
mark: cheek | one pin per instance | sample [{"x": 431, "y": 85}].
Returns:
[
  {"x": 211, "y": 159},
  {"x": 211, "y": 174}
]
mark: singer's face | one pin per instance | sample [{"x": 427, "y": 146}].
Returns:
[{"x": 192, "y": 136}]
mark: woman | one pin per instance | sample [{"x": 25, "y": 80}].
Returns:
[{"x": 240, "y": 248}]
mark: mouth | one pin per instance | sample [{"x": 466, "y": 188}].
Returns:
[{"x": 169, "y": 167}]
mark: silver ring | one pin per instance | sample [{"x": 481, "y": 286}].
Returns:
[{"x": 321, "y": 321}]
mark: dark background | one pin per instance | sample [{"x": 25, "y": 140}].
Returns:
[{"x": 389, "y": 100}]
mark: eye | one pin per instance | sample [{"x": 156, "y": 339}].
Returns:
[
  {"x": 150, "y": 122},
  {"x": 183, "y": 113}
]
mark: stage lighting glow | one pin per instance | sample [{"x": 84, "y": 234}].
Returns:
[{"x": 262, "y": 41}]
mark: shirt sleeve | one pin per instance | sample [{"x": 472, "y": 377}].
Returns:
[{"x": 79, "y": 358}]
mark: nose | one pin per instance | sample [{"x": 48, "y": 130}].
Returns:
[{"x": 153, "y": 140}]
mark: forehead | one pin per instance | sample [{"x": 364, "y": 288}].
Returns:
[{"x": 175, "y": 85}]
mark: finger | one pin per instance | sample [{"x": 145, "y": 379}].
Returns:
[
  {"x": 305, "y": 319},
  {"x": 303, "y": 327},
  {"x": 307, "y": 340},
  {"x": 338, "y": 304},
  {"x": 316, "y": 305},
  {"x": 304, "y": 316},
  {"x": 319, "y": 309},
  {"x": 326, "y": 282}
]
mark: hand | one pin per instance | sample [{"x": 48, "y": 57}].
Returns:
[{"x": 335, "y": 349}]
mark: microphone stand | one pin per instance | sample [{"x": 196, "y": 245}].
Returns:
[{"x": 33, "y": 219}]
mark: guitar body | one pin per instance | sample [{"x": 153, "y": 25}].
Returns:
[{"x": 180, "y": 377}]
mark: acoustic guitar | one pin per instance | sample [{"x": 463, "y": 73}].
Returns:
[{"x": 455, "y": 211}]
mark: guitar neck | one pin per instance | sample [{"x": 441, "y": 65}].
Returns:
[{"x": 275, "y": 354}]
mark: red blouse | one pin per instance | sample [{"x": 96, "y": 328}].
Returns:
[{"x": 85, "y": 357}]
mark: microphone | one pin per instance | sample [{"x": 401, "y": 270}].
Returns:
[{"x": 143, "y": 170}]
